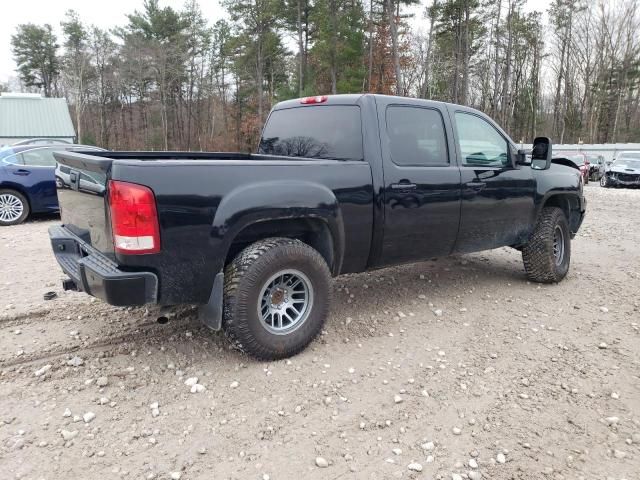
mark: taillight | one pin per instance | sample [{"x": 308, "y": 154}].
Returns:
[
  {"x": 316, "y": 99},
  {"x": 134, "y": 218}
]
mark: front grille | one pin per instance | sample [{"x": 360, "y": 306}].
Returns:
[{"x": 627, "y": 177}]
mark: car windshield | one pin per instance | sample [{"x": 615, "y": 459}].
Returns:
[
  {"x": 593, "y": 159},
  {"x": 627, "y": 162}
]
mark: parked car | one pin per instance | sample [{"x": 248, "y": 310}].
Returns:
[
  {"x": 597, "y": 166},
  {"x": 580, "y": 159},
  {"x": 341, "y": 184},
  {"x": 27, "y": 180},
  {"x": 624, "y": 171},
  {"x": 40, "y": 141}
]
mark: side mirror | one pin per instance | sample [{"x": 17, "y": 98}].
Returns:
[
  {"x": 541, "y": 153},
  {"x": 609, "y": 162}
]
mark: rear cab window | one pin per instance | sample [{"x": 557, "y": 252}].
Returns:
[{"x": 320, "y": 132}]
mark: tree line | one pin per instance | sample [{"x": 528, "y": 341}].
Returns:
[{"x": 169, "y": 79}]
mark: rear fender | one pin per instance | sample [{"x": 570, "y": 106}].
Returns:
[{"x": 277, "y": 200}]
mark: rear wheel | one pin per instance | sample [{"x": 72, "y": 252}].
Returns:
[
  {"x": 14, "y": 208},
  {"x": 276, "y": 298},
  {"x": 547, "y": 255}
]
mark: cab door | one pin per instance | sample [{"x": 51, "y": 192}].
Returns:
[
  {"x": 497, "y": 195},
  {"x": 421, "y": 181}
]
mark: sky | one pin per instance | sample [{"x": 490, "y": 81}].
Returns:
[{"x": 109, "y": 13}]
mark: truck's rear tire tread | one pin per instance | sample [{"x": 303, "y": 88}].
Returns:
[
  {"x": 242, "y": 274},
  {"x": 537, "y": 254}
]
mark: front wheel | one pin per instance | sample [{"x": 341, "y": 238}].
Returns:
[
  {"x": 603, "y": 181},
  {"x": 14, "y": 208},
  {"x": 547, "y": 254},
  {"x": 276, "y": 298}
]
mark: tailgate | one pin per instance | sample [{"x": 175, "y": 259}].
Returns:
[{"x": 81, "y": 182}]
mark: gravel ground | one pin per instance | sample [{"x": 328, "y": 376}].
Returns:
[{"x": 450, "y": 369}]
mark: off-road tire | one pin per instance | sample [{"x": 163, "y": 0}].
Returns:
[
  {"x": 25, "y": 208},
  {"x": 244, "y": 279},
  {"x": 537, "y": 254}
]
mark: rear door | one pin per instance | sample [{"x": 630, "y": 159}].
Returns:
[
  {"x": 421, "y": 181},
  {"x": 497, "y": 195}
]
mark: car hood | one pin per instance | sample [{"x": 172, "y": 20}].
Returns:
[{"x": 625, "y": 169}]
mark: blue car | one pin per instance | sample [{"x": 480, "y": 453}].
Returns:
[{"x": 28, "y": 180}]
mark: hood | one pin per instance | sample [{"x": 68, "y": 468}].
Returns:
[{"x": 622, "y": 168}]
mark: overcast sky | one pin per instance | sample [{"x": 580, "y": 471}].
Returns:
[{"x": 106, "y": 14}]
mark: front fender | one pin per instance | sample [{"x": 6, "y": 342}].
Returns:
[{"x": 276, "y": 200}]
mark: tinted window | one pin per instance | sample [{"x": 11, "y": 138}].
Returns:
[
  {"x": 416, "y": 136},
  {"x": 332, "y": 132},
  {"x": 480, "y": 143}
]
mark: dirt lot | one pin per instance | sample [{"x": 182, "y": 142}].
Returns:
[{"x": 459, "y": 365}]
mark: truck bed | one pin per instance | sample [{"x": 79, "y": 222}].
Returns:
[{"x": 205, "y": 200}]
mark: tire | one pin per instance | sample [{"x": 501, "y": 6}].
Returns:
[
  {"x": 14, "y": 208},
  {"x": 543, "y": 262},
  {"x": 586, "y": 179},
  {"x": 603, "y": 181},
  {"x": 247, "y": 283}
]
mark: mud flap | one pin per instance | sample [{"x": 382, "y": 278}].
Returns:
[{"x": 210, "y": 314}]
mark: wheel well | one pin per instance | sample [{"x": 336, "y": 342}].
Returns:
[
  {"x": 570, "y": 205},
  {"x": 314, "y": 232}
]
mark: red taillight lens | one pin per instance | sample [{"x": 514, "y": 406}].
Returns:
[
  {"x": 134, "y": 218},
  {"x": 317, "y": 99}
]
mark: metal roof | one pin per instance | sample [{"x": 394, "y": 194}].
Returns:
[{"x": 24, "y": 116}]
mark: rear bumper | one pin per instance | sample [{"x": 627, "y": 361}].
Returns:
[{"x": 99, "y": 276}]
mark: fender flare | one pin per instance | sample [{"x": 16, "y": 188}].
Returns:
[{"x": 278, "y": 200}]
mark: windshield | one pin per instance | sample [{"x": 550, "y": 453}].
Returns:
[
  {"x": 627, "y": 162},
  {"x": 332, "y": 132},
  {"x": 594, "y": 159}
]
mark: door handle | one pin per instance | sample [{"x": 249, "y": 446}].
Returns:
[
  {"x": 476, "y": 185},
  {"x": 403, "y": 186},
  {"x": 22, "y": 172}
]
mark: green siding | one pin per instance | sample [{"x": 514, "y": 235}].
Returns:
[{"x": 35, "y": 117}]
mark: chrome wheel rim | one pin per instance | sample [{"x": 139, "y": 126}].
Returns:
[
  {"x": 285, "y": 301},
  {"x": 11, "y": 207},
  {"x": 558, "y": 245}
]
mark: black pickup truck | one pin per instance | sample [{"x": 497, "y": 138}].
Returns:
[{"x": 340, "y": 184}]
